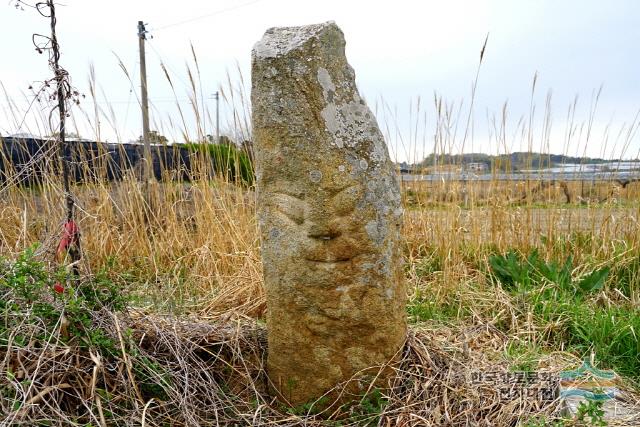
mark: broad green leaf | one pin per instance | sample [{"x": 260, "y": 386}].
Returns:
[{"x": 594, "y": 280}]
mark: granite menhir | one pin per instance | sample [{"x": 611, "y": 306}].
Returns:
[{"x": 330, "y": 216}]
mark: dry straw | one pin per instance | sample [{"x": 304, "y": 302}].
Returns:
[{"x": 213, "y": 374}]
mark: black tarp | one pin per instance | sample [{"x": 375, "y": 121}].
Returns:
[{"x": 25, "y": 160}]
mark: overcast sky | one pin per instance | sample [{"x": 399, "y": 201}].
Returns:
[{"x": 402, "y": 51}]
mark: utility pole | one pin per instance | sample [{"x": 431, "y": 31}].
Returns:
[
  {"x": 217, "y": 97},
  {"x": 142, "y": 36}
]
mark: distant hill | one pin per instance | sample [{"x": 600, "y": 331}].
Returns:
[{"x": 513, "y": 162}]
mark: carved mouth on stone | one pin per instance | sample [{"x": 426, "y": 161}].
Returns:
[
  {"x": 330, "y": 260},
  {"x": 338, "y": 253}
]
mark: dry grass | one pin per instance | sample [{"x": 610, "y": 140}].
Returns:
[
  {"x": 469, "y": 194},
  {"x": 198, "y": 244},
  {"x": 213, "y": 374},
  {"x": 198, "y": 249}
]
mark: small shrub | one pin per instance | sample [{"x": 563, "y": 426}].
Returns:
[{"x": 32, "y": 295}]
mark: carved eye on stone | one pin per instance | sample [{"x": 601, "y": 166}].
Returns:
[
  {"x": 346, "y": 200},
  {"x": 290, "y": 206}
]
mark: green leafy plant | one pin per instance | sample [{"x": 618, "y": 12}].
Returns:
[
  {"x": 373, "y": 402},
  {"x": 510, "y": 269},
  {"x": 542, "y": 421},
  {"x": 549, "y": 292},
  {"x": 518, "y": 274},
  {"x": 309, "y": 408},
  {"x": 32, "y": 294},
  {"x": 367, "y": 410},
  {"x": 590, "y": 413}
]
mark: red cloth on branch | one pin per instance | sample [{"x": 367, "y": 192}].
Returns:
[{"x": 70, "y": 238}]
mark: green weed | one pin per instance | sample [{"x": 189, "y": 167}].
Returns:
[
  {"x": 520, "y": 275},
  {"x": 522, "y": 356},
  {"x": 565, "y": 311},
  {"x": 610, "y": 332},
  {"x": 367, "y": 410},
  {"x": 424, "y": 307},
  {"x": 32, "y": 295},
  {"x": 590, "y": 413},
  {"x": 309, "y": 408}
]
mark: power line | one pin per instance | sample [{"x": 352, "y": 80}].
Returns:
[
  {"x": 153, "y": 100},
  {"x": 197, "y": 18},
  {"x": 132, "y": 91},
  {"x": 166, "y": 64}
]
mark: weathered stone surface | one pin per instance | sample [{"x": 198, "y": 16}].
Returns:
[{"x": 330, "y": 216}]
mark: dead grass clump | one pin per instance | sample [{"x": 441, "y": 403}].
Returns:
[{"x": 164, "y": 371}]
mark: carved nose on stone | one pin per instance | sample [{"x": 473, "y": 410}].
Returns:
[{"x": 321, "y": 232}]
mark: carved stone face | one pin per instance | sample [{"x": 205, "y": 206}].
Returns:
[
  {"x": 323, "y": 223},
  {"x": 329, "y": 215},
  {"x": 327, "y": 240}
]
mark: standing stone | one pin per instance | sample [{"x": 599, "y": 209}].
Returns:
[{"x": 330, "y": 216}]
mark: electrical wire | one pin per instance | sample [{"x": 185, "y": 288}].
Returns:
[
  {"x": 166, "y": 64},
  {"x": 131, "y": 92},
  {"x": 208, "y": 15}
]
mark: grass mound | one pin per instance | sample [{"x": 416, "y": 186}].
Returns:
[
  {"x": 182, "y": 373},
  {"x": 77, "y": 356}
]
